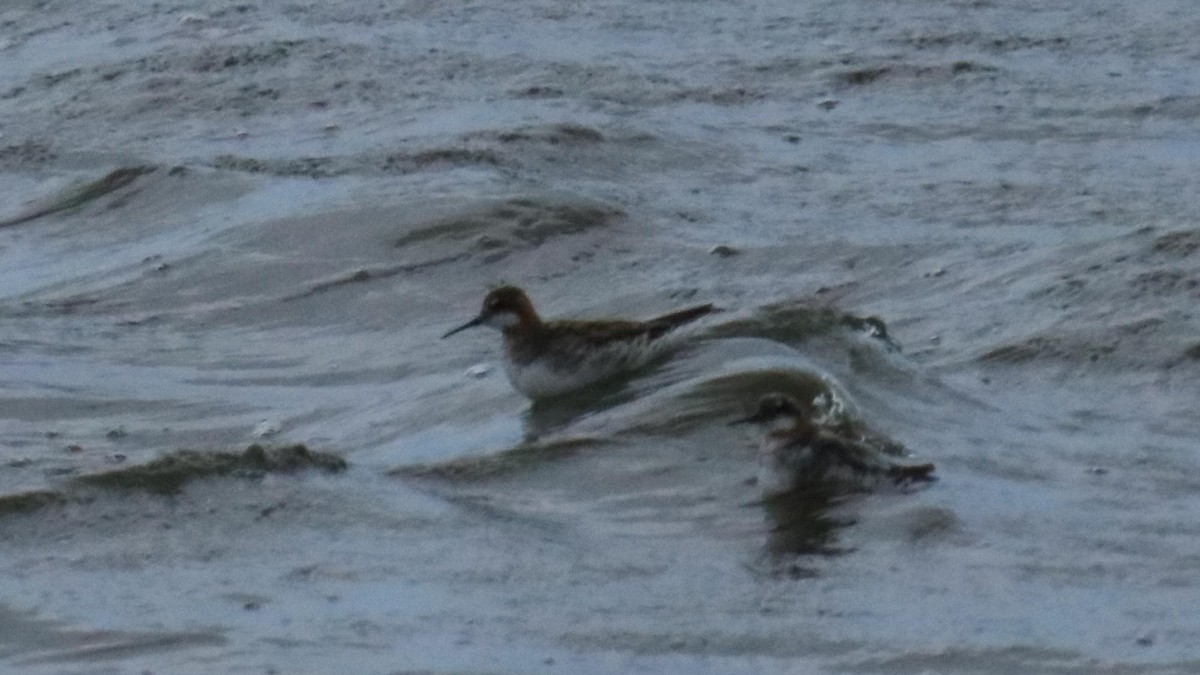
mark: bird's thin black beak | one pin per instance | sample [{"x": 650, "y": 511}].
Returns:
[{"x": 470, "y": 324}]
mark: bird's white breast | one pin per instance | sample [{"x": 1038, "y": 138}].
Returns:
[{"x": 537, "y": 380}]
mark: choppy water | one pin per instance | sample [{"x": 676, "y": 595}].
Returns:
[{"x": 1010, "y": 186}]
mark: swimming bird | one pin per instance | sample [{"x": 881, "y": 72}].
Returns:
[
  {"x": 548, "y": 358},
  {"x": 797, "y": 452}
]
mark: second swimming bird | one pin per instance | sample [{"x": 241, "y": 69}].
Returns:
[
  {"x": 548, "y": 358},
  {"x": 797, "y": 452}
]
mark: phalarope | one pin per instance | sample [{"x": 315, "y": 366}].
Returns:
[
  {"x": 547, "y": 358},
  {"x": 797, "y": 452}
]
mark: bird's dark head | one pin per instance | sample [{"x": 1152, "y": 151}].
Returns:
[
  {"x": 503, "y": 308},
  {"x": 772, "y": 408}
]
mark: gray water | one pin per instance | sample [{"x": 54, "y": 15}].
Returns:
[{"x": 324, "y": 189}]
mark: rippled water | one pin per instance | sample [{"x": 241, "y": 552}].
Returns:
[{"x": 308, "y": 196}]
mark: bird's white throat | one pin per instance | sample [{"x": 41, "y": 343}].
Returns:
[{"x": 502, "y": 320}]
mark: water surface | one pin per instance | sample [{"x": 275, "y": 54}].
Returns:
[{"x": 329, "y": 188}]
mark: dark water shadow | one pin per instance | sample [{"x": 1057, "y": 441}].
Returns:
[
  {"x": 79, "y": 195},
  {"x": 525, "y": 457},
  {"x": 550, "y": 415},
  {"x": 26, "y": 639},
  {"x": 170, "y": 473},
  {"x": 799, "y": 526}
]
